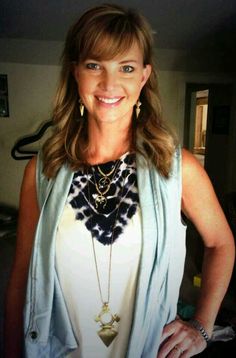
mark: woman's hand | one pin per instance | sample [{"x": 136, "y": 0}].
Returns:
[{"x": 180, "y": 339}]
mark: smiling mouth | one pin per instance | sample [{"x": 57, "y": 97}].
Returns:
[{"x": 109, "y": 100}]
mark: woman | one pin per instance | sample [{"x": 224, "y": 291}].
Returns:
[{"x": 101, "y": 208}]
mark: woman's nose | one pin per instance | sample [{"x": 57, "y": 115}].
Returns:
[{"x": 109, "y": 81}]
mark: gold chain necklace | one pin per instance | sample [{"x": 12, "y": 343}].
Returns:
[
  {"x": 106, "y": 174},
  {"x": 107, "y": 333},
  {"x": 104, "y": 182}
]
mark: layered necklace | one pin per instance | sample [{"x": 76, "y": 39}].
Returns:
[
  {"x": 107, "y": 320},
  {"x": 103, "y": 185}
]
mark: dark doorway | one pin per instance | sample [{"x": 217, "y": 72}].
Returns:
[{"x": 213, "y": 139}]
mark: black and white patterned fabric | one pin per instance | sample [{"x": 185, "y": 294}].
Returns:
[{"x": 106, "y": 223}]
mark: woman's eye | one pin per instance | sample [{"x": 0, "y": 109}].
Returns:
[
  {"x": 127, "y": 69},
  {"x": 93, "y": 66}
]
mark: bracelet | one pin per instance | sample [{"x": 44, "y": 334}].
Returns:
[{"x": 197, "y": 325}]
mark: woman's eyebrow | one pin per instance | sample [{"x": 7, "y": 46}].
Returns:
[
  {"x": 91, "y": 59},
  {"x": 130, "y": 61}
]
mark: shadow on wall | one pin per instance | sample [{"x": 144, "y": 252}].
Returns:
[{"x": 8, "y": 224}]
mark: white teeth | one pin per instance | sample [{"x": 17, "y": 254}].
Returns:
[{"x": 108, "y": 100}]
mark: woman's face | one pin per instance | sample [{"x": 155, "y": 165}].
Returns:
[{"x": 110, "y": 89}]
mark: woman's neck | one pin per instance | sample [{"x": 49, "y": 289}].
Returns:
[{"x": 107, "y": 142}]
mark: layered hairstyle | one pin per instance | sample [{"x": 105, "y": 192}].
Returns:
[{"x": 102, "y": 33}]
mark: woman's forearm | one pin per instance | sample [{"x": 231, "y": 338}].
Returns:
[{"x": 216, "y": 273}]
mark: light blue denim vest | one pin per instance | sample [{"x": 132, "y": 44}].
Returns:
[{"x": 47, "y": 327}]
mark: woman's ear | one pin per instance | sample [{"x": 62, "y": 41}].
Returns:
[{"x": 147, "y": 70}]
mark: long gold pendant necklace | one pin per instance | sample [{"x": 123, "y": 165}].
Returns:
[{"x": 107, "y": 333}]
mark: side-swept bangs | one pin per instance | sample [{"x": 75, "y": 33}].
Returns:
[
  {"x": 106, "y": 45},
  {"x": 104, "y": 34}
]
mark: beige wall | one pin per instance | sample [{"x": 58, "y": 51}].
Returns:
[{"x": 32, "y": 87}]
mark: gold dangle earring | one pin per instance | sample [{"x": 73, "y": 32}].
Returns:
[
  {"x": 81, "y": 108},
  {"x": 137, "y": 109}
]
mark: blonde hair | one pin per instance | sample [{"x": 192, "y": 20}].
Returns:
[{"x": 102, "y": 33}]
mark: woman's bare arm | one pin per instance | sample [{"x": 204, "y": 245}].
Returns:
[
  {"x": 15, "y": 296},
  {"x": 201, "y": 206}
]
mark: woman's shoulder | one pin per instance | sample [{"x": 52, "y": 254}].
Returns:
[
  {"x": 30, "y": 170},
  {"x": 193, "y": 172},
  {"x": 31, "y": 165},
  {"x": 34, "y": 178},
  {"x": 190, "y": 165},
  {"x": 196, "y": 183}
]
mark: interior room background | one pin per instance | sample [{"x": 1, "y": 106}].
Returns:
[{"x": 32, "y": 69}]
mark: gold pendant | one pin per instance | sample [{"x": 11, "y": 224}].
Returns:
[
  {"x": 100, "y": 200},
  {"x": 104, "y": 183},
  {"x": 107, "y": 332}
]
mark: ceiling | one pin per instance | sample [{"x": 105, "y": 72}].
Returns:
[{"x": 178, "y": 24}]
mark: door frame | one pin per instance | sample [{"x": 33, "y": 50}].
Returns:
[{"x": 191, "y": 87}]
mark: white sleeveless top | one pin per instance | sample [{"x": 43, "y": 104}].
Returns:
[{"x": 77, "y": 276}]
